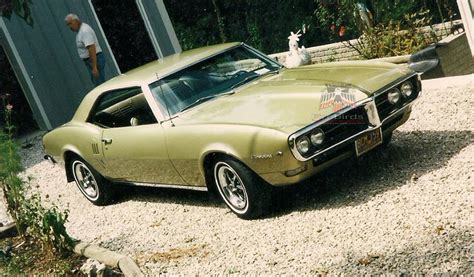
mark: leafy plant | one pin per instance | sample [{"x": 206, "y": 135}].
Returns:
[
  {"x": 386, "y": 40},
  {"x": 25, "y": 258},
  {"x": 33, "y": 220},
  {"x": 335, "y": 19}
]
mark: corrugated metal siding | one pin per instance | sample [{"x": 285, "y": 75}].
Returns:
[{"x": 46, "y": 62}]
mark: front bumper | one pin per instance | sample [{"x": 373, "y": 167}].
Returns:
[{"x": 336, "y": 154}]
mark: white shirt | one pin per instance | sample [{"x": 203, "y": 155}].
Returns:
[{"x": 86, "y": 37}]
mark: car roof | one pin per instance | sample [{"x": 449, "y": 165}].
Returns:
[
  {"x": 149, "y": 72},
  {"x": 162, "y": 67}
]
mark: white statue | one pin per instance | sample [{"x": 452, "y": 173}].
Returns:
[{"x": 297, "y": 56}]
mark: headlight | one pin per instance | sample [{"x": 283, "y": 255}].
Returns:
[
  {"x": 407, "y": 89},
  {"x": 394, "y": 96},
  {"x": 302, "y": 144},
  {"x": 317, "y": 137}
]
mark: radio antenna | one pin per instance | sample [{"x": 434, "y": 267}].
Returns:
[{"x": 164, "y": 100}]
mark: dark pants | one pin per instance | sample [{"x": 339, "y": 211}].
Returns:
[{"x": 100, "y": 67}]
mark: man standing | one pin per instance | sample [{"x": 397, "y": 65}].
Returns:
[{"x": 88, "y": 48}]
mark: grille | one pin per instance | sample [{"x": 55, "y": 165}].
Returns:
[
  {"x": 346, "y": 125},
  {"x": 340, "y": 128}
]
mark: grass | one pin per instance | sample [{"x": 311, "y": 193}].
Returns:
[{"x": 30, "y": 258}]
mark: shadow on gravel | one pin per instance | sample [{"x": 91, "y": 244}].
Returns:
[
  {"x": 448, "y": 253},
  {"x": 30, "y": 149},
  {"x": 167, "y": 195},
  {"x": 350, "y": 183},
  {"x": 355, "y": 181}
]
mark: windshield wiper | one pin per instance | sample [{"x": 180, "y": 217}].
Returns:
[
  {"x": 205, "y": 98},
  {"x": 244, "y": 80},
  {"x": 251, "y": 77}
]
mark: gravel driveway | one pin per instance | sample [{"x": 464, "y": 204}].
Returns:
[{"x": 407, "y": 208}]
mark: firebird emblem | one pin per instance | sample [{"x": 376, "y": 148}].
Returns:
[{"x": 337, "y": 97}]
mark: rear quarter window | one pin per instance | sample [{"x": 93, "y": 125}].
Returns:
[{"x": 121, "y": 108}]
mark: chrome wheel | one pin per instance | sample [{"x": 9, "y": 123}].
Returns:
[
  {"x": 85, "y": 180},
  {"x": 231, "y": 187}
]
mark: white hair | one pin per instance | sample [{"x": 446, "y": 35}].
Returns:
[{"x": 71, "y": 16}]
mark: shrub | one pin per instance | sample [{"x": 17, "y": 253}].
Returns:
[
  {"x": 33, "y": 220},
  {"x": 386, "y": 40}
]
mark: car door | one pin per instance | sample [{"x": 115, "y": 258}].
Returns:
[
  {"x": 138, "y": 153},
  {"x": 133, "y": 142}
]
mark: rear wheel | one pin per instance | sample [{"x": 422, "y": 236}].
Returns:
[
  {"x": 241, "y": 189},
  {"x": 91, "y": 184}
]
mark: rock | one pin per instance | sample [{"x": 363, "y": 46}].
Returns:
[{"x": 93, "y": 268}]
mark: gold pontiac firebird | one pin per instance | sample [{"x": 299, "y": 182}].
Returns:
[{"x": 228, "y": 118}]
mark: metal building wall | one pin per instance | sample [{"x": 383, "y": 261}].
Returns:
[
  {"x": 466, "y": 9},
  {"x": 159, "y": 27},
  {"x": 45, "y": 60}
]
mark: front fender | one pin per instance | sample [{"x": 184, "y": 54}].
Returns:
[
  {"x": 217, "y": 148},
  {"x": 260, "y": 149}
]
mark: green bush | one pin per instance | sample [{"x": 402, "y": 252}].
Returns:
[
  {"x": 33, "y": 220},
  {"x": 266, "y": 24},
  {"x": 387, "y": 40}
]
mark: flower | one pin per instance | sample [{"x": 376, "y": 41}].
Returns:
[
  {"x": 342, "y": 30},
  {"x": 9, "y": 107}
]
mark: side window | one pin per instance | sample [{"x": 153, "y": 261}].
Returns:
[{"x": 122, "y": 108}]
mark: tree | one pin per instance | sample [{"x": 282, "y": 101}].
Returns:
[{"x": 19, "y": 7}]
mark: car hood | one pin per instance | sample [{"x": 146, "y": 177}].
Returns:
[{"x": 294, "y": 98}]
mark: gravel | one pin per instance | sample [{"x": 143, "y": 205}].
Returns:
[{"x": 404, "y": 209}]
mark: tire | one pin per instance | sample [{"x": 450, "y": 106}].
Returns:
[
  {"x": 91, "y": 184},
  {"x": 242, "y": 190},
  {"x": 387, "y": 139}
]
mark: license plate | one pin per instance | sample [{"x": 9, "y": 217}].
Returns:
[{"x": 368, "y": 141}]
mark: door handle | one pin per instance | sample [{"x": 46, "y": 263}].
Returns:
[{"x": 107, "y": 140}]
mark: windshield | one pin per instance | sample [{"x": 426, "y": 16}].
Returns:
[{"x": 211, "y": 78}]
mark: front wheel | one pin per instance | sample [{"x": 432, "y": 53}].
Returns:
[
  {"x": 241, "y": 189},
  {"x": 91, "y": 184},
  {"x": 387, "y": 139}
]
